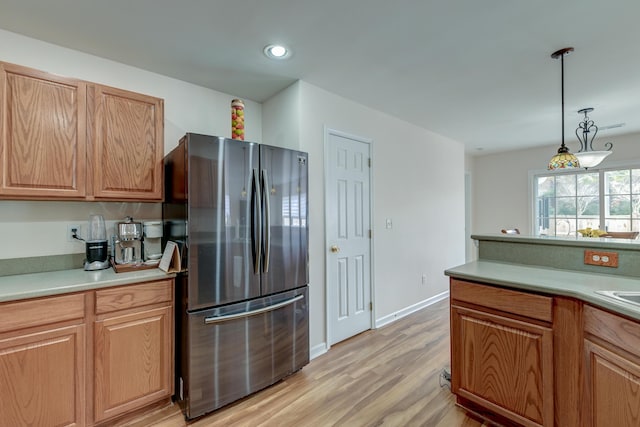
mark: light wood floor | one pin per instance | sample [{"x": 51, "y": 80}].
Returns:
[{"x": 389, "y": 376}]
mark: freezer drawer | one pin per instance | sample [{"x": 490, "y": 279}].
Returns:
[{"x": 236, "y": 350}]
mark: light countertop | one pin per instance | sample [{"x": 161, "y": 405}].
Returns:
[
  {"x": 552, "y": 281},
  {"x": 23, "y": 286}
]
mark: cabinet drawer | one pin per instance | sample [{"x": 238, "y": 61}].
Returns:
[
  {"x": 615, "y": 329},
  {"x": 123, "y": 297},
  {"x": 43, "y": 311},
  {"x": 521, "y": 303}
]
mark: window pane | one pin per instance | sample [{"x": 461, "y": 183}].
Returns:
[
  {"x": 566, "y": 206},
  {"x": 635, "y": 207},
  {"x": 635, "y": 181},
  {"x": 546, "y": 226},
  {"x": 618, "y": 225},
  {"x": 565, "y": 226},
  {"x": 546, "y": 186},
  {"x": 618, "y": 182},
  {"x": 588, "y": 223},
  {"x": 588, "y": 184},
  {"x": 566, "y": 185},
  {"x": 589, "y": 206},
  {"x": 619, "y": 205}
]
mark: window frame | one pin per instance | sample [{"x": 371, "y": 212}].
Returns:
[{"x": 602, "y": 196}]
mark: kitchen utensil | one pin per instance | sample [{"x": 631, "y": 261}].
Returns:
[{"x": 96, "y": 248}]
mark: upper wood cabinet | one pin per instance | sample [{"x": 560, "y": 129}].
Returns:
[
  {"x": 63, "y": 138},
  {"x": 128, "y": 145},
  {"x": 43, "y": 139}
]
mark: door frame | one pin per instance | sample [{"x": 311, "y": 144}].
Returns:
[{"x": 327, "y": 133}]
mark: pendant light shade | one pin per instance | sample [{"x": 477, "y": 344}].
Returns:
[
  {"x": 564, "y": 159},
  {"x": 589, "y": 159}
]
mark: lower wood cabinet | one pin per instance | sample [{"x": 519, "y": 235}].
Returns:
[
  {"x": 133, "y": 344},
  {"x": 43, "y": 362},
  {"x": 501, "y": 360},
  {"x": 520, "y": 358},
  {"x": 86, "y": 358},
  {"x": 42, "y": 378},
  {"x": 612, "y": 370}
]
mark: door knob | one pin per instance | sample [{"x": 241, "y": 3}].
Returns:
[{"x": 335, "y": 249}]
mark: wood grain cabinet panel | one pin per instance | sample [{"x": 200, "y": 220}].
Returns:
[
  {"x": 611, "y": 370},
  {"x": 503, "y": 364},
  {"x": 502, "y": 361},
  {"x": 129, "y": 145},
  {"x": 133, "y": 348},
  {"x": 132, "y": 361},
  {"x": 43, "y": 134},
  {"x": 612, "y": 388},
  {"x": 64, "y": 138},
  {"x": 42, "y": 378}
]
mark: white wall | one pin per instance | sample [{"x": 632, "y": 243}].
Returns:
[
  {"x": 39, "y": 228},
  {"x": 501, "y": 192},
  {"x": 418, "y": 182}
]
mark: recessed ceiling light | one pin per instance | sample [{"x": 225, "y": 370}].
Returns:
[{"x": 276, "y": 51}]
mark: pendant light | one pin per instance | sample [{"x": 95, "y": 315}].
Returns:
[
  {"x": 587, "y": 157},
  {"x": 564, "y": 159}
]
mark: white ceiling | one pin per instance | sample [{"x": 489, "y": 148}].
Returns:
[{"x": 477, "y": 71}]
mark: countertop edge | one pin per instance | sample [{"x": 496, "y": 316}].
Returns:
[
  {"x": 553, "y": 282},
  {"x": 36, "y": 285}
]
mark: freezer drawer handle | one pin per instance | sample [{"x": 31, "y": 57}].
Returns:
[{"x": 218, "y": 319}]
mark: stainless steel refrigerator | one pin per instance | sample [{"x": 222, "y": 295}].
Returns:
[{"x": 239, "y": 212}]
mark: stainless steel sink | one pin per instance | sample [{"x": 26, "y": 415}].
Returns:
[{"x": 626, "y": 296}]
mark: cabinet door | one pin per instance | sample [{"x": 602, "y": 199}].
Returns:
[
  {"x": 133, "y": 361},
  {"x": 43, "y": 134},
  {"x": 42, "y": 378},
  {"x": 503, "y": 364},
  {"x": 612, "y": 385},
  {"x": 128, "y": 145}
]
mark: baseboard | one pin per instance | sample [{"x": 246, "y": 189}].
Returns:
[
  {"x": 318, "y": 350},
  {"x": 411, "y": 309}
]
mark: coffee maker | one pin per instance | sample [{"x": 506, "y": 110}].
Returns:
[
  {"x": 128, "y": 247},
  {"x": 97, "y": 255}
]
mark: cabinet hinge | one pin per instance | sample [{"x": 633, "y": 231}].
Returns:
[
  {"x": 369, "y": 161},
  {"x": 370, "y": 234},
  {"x": 370, "y": 305}
]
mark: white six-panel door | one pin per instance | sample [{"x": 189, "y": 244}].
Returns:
[{"x": 348, "y": 236}]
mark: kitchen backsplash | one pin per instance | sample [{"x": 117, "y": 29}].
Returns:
[{"x": 40, "y": 228}]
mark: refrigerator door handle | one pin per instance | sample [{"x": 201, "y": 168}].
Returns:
[
  {"x": 266, "y": 225},
  {"x": 256, "y": 222},
  {"x": 227, "y": 317}
]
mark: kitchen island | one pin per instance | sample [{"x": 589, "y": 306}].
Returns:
[{"x": 534, "y": 343}]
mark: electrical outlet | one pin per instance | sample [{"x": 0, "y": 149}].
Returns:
[
  {"x": 603, "y": 259},
  {"x": 71, "y": 229}
]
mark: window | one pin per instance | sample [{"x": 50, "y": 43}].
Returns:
[{"x": 569, "y": 201}]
